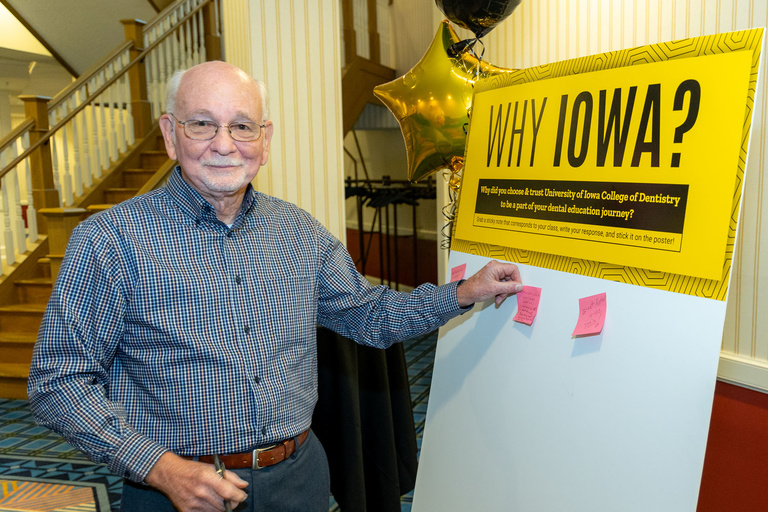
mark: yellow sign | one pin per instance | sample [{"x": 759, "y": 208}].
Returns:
[{"x": 634, "y": 166}]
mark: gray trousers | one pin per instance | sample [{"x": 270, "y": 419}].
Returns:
[{"x": 299, "y": 484}]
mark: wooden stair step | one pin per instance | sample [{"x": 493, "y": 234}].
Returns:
[
  {"x": 119, "y": 194},
  {"x": 18, "y": 370},
  {"x": 44, "y": 267},
  {"x": 137, "y": 177},
  {"x": 21, "y": 317},
  {"x": 17, "y": 347},
  {"x": 153, "y": 159},
  {"x": 36, "y": 290},
  {"x": 13, "y": 380},
  {"x": 94, "y": 208},
  {"x": 18, "y": 338}
]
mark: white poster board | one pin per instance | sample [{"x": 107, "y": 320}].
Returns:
[{"x": 528, "y": 418}]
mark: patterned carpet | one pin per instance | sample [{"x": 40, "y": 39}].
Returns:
[{"x": 39, "y": 471}]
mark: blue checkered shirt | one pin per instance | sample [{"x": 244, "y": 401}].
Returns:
[{"x": 168, "y": 330}]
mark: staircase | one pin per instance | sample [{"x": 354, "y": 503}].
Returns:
[
  {"x": 95, "y": 144},
  {"x": 22, "y": 312}
]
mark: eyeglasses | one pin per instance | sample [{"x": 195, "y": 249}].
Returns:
[{"x": 243, "y": 131}]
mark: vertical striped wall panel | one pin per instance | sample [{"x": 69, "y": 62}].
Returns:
[
  {"x": 546, "y": 31},
  {"x": 294, "y": 47}
]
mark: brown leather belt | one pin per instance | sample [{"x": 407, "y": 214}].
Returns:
[{"x": 260, "y": 457}]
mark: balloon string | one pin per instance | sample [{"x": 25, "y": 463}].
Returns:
[
  {"x": 478, "y": 57},
  {"x": 452, "y": 176}
]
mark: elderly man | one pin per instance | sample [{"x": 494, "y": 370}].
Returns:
[{"x": 182, "y": 325}]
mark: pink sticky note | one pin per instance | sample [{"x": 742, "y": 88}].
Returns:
[
  {"x": 457, "y": 273},
  {"x": 527, "y": 304},
  {"x": 591, "y": 315}
]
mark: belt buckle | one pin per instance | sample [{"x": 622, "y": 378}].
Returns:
[{"x": 255, "y": 463}]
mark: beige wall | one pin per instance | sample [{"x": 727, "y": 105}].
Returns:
[{"x": 294, "y": 47}]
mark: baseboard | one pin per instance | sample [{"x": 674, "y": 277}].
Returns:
[{"x": 743, "y": 371}]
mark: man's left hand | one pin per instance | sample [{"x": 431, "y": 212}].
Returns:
[{"x": 496, "y": 279}]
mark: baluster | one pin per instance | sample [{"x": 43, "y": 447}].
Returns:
[
  {"x": 66, "y": 179},
  {"x": 10, "y": 252},
  {"x": 111, "y": 122},
  {"x": 162, "y": 78},
  {"x": 104, "y": 140},
  {"x": 82, "y": 136},
  {"x": 190, "y": 43},
  {"x": 77, "y": 178},
  {"x": 129, "y": 135},
  {"x": 55, "y": 156},
  {"x": 9, "y": 187},
  {"x": 167, "y": 45},
  {"x": 148, "y": 73},
  {"x": 183, "y": 45},
  {"x": 160, "y": 62},
  {"x": 156, "y": 70},
  {"x": 31, "y": 210},
  {"x": 195, "y": 38},
  {"x": 18, "y": 217},
  {"x": 120, "y": 111},
  {"x": 202, "y": 35},
  {"x": 216, "y": 14},
  {"x": 93, "y": 132},
  {"x": 175, "y": 43}
]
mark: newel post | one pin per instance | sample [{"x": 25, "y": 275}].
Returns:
[
  {"x": 141, "y": 108},
  {"x": 44, "y": 193},
  {"x": 61, "y": 223}
]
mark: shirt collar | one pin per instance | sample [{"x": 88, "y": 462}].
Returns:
[{"x": 191, "y": 203}]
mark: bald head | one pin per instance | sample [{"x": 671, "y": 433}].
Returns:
[{"x": 183, "y": 81}]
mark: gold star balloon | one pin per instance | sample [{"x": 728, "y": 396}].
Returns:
[{"x": 433, "y": 101}]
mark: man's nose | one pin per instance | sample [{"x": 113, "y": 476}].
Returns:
[{"x": 223, "y": 142}]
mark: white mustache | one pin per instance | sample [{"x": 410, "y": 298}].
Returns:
[{"x": 222, "y": 162}]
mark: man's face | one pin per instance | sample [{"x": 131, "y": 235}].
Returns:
[{"x": 221, "y": 166}]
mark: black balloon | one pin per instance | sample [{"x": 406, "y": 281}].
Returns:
[{"x": 479, "y": 16}]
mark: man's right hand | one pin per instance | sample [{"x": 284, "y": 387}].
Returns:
[{"x": 195, "y": 486}]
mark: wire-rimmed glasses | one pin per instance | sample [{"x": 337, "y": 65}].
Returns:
[{"x": 199, "y": 129}]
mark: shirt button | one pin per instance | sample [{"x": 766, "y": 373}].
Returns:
[
  {"x": 263, "y": 431},
  {"x": 257, "y": 379},
  {"x": 238, "y": 279},
  {"x": 247, "y": 330}
]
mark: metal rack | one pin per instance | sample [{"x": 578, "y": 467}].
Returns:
[{"x": 380, "y": 195}]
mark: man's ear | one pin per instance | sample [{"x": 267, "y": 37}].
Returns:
[
  {"x": 167, "y": 126},
  {"x": 268, "y": 130}
]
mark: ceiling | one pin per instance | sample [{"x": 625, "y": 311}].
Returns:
[{"x": 45, "y": 45}]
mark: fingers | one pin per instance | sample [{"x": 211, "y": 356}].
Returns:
[
  {"x": 504, "y": 280},
  {"x": 495, "y": 280},
  {"x": 230, "y": 488},
  {"x": 505, "y": 271},
  {"x": 239, "y": 482}
]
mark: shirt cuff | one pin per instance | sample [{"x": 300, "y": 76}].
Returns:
[
  {"x": 135, "y": 457},
  {"x": 447, "y": 303}
]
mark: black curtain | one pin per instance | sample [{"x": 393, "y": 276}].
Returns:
[{"x": 364, "y": 420}]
